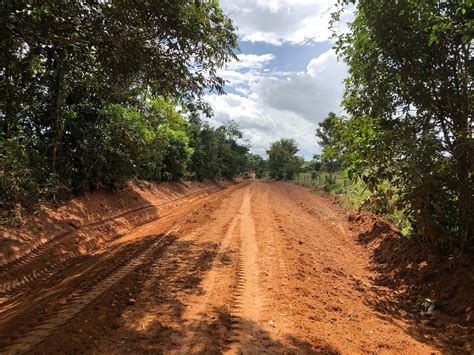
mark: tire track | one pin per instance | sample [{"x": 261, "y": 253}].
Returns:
[
  {"x": 279, "y": 268},
  {"x": 247, "y": 300},
  {"x": 194, "y": 339},
  {"x": 83, "y": 298},
  {"x": 40, "y": 249},
  {"x": 20, "y": 283}
]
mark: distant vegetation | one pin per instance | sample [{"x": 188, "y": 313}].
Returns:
[{"x": 283, "y": 163}]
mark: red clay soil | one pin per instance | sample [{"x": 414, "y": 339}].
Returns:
[
  {"x": 259, "y": 267},
  {"x": 94, "y": 208},
  {"x": 413, "y": 273}
]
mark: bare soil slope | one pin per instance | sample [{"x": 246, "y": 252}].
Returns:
[{"x": 260, "y": 267}]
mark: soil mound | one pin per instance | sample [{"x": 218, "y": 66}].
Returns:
[
  {"x": 103, "y": 214},
  {"x": 435, "y": 290}
]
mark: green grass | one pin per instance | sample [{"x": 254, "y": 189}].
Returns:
[
  {"x": 333, "y": 183},
  {"x": 355, "y": 195}
]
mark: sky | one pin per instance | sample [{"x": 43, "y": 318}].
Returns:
[{"x": 287, "y": 78}]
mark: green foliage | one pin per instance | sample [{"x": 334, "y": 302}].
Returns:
[
  {"x": 217, "y": 151},
  {"x": 255, "y": 163},
  {"x": 333, "y": 182},
  {"x": 17, "y": 180},
  {"x": 233, "y": 155},
  {"x": 282, "y": 160},
  {"x": 90, "y": 93},
  {"x": 409, "y": 100},
  {"x": 177, "y": 155},
  {"x": 327, "y": 133},
  {"x": 355, "y": 193}
]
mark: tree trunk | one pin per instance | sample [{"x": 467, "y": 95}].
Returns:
[
  {"x": 464, "y": 146},
  {"x": 57, "y": 107},
  {"x": 463, "y": 153}
]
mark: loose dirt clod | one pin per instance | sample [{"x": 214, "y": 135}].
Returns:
[{"x": 131, "y": 301}]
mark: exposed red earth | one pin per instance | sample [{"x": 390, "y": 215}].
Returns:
[{"x": 250, "y": 267}]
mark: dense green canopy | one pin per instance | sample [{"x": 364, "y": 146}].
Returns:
[
  {"x": 282, "y": 160},
  {"x": 409, "y": 98},
  {"x": 98, "y": 92}
]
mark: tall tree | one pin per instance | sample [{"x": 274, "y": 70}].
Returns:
[
  {"x": 218, "y": 152},
  {"x": 50, "y": 53},
  {"x": 328, "y": 140},
  {"x": 76, "y": 77},
  {"x": 410, "y": 79},
  {"x": 282, "y": 160}
]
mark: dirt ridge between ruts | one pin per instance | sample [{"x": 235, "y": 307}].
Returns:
[
  {"x": 27, "y": 240},
  {"x": 20, "y": 272},
  {"x": 247, "y": 302},
  {"x": 81, "y": 300}
]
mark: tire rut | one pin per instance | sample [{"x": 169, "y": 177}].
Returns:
[
  {"x": 85, "y": 297},
  {"x": 247, "y": 302},
  {"x": 195, "y": 337},
  {"x": 15, "y": 267}
]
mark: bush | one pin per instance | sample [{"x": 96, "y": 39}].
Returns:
[{"x": 17, "y": 180}]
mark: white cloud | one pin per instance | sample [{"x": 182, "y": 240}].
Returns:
[
  {"x": 280, "y": 21},
  {"x": 322, "y": 63},
  {"x": 246, "y": 70},
  {"x": 243, "y": 91},
  {"x": 235, "y": 78},
  {"x": 262, "y": 124},
  {"x": 251, "y": 61},
  {"x": 311, "y": 94},
  {"x": 276, "y": 105}
]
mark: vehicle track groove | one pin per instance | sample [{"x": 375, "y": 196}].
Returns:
[
  {"x": 247, "y": 300},
  {"x": 18, "y": 284},
  {"x": 41, "y": 248},
  {"x": 84, "y": 297}
]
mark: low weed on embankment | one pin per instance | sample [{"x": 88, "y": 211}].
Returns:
[{"x": 355, "y": 194}]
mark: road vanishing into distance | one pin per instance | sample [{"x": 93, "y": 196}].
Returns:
[{"x": 258, "y": 267}]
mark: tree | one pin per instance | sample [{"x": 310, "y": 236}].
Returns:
[
  {"x": 233, "y": 150},
  {"x": 316, "y": 162},
  {"x": 256, "y": 164},
  {"x": 409, "y": 96},
  {"x": 217, "y": 151},
  {"x": 79, "y": 81},
  {"x": 282, "y": 160},
  {"x": 328, "y": 135}
]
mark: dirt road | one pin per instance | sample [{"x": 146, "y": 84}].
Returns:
[{"x": 261, "y": 267}]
